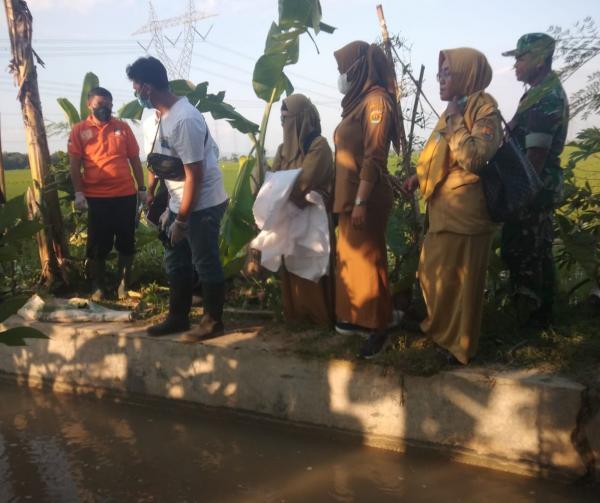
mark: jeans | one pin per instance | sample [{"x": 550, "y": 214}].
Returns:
[{"x": 199, "y": 250}]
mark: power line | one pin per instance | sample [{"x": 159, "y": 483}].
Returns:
[{"x": 248, "y": 57}]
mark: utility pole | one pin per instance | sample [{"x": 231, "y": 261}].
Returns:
[
  {"x": 42, "y": 202},
  {"x": 387, "y": 44}
]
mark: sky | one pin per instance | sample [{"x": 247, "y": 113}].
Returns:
[{"x": 77, "y": 36}]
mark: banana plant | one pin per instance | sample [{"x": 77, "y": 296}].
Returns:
[
  {"x": 269, "y": 81},
  {"x": 72, "y": 115},
  {"x": 15, "y": 231},
  {"x": 282, "y": 48}
]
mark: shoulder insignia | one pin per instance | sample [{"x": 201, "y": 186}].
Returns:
[{"x": 375, "y": 116}]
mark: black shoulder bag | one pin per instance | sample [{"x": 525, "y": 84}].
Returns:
[
  {"x": 163, "y": 166},
  {"x": 509, "y": 180}
]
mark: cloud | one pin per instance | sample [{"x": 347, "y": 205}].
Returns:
[{"x": 82, "y": 6}]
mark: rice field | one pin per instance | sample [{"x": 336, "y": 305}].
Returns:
[
  {"x": 586, "y": 171},
  {"x": 18, "y": 180}
]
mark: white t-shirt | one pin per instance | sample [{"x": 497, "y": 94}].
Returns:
[{"x": 184, "y": 133}]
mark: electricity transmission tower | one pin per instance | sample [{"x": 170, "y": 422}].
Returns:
[{"x": 178, "y": 68}]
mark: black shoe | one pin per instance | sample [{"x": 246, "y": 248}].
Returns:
[
  {"x": 372, "y": 346},
  {"x": 344, "y": 328},
  {"x": 539, "y": 321},
  {"x": 171, "y": 325},
  {"x": 446, "y": 356}
]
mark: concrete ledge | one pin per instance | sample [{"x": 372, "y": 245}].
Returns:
[{"x": 518, "y": 421}]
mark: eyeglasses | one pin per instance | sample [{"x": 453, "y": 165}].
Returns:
[{"x": 443, "y": 75}]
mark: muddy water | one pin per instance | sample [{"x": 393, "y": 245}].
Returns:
[{"x": 63, "y": 448}]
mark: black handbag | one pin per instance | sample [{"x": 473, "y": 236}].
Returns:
[
  {"x": 164, "y": 166},
  {"x": 158, "y": 205},
  {"x": 509, "y": 180}
]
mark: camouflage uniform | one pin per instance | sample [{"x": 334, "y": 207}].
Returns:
[{"x": 541, "y": 121}]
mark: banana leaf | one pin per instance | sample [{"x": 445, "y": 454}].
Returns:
[
  {"x": 220, "y": 110},
  {"x": 23, "y": 230},
  {"x": 9, "y": 305},
  {"x": 197, "y": 95},
  {"x": 132, "y": 110},
  {"x": 14, "y": 209},
  {"x": 268, "y": 80},
  {"x": 70, "y": 111},
  {"x": 16, "y": 336},
  {"x": 238, "y": 227},
  {"x": 89, "y": 82}
]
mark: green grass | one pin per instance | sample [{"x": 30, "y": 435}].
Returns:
[
  {"x": 588, "y": 170},
  {"x": 17, "y": 180},
  {"x": 570, "y": 348}
]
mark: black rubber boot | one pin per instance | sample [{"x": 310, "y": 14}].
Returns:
[
  {"x": 124, "y": 267},
  {"x": 98, "y": 270},
  {"x": 214, "y": 299},
  {"x": 211, "y": 324},
  {"x": 180, "y": 303}
]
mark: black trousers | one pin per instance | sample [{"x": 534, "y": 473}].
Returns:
[{"x": 111, "y": 222}]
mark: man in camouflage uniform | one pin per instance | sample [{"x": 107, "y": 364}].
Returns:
[{"x": 540, "y": 127}]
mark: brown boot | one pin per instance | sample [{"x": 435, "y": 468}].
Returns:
[{"x": 208, "y": 328}]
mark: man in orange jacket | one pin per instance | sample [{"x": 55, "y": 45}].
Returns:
[{"x": 107, "y": 150}]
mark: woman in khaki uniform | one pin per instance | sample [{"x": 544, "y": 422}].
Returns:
[
  {"x": 304, "y": 147},
  {"x": 363, "y": 196},
  {"x": 455, "y": 252}
]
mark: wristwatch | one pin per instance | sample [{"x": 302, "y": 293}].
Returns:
[
  {"x": 142, "y": 189},
  {"x": 360, "y": 202}
]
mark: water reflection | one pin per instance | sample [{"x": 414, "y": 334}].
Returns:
[{"x": 67, "y": 448}]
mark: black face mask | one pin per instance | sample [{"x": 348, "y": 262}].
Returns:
[{"x": 102, "y": 113}]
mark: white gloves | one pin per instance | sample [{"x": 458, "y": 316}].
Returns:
[
  {"x": 176, "y": 231},
  {"x": 80, "y": 201},
  {"x": 142, "y": 197},
  {"x": 163, "y": 220}
]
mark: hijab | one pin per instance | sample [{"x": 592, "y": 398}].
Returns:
[
  {"x": 469, "y": 68},
  {"x": 367, "y": 68},
  {"x": 471, "y": 74},
  {"x": 301, "y": 126}
]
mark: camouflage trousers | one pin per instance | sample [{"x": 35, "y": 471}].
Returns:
[{"x": 526, "y": 248}]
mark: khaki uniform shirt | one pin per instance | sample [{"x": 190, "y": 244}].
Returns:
[{"x": 362, "y": 145}]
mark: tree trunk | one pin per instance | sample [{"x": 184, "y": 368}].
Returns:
[
  {"x": 3, "y": 196},
  {"x": 53, "y": 249}
]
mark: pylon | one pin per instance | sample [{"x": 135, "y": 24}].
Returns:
[{"x": 179, "y": 68}]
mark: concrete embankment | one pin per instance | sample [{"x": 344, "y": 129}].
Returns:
[{"x": 518, "y": 421}]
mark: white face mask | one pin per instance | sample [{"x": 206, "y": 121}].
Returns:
[{"x": 343, "y": 84}]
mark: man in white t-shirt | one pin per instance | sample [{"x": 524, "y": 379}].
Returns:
[{"x": 197, "y": 201}]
